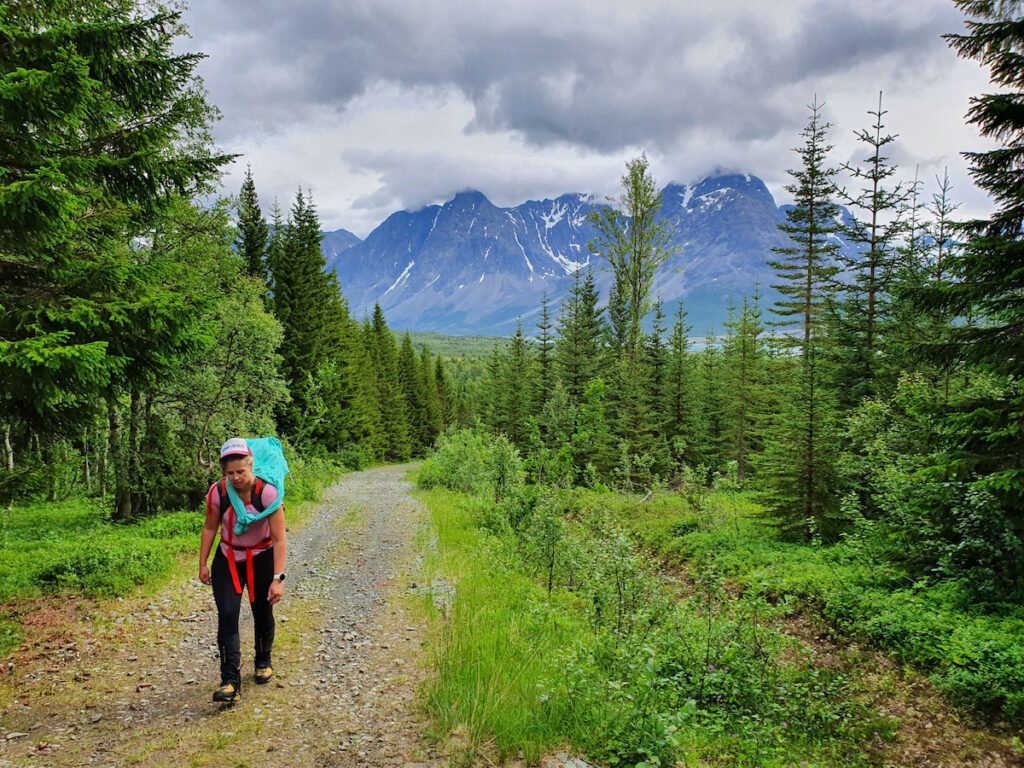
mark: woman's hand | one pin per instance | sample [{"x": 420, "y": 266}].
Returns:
[
  {"x": 275, "y": 593},
  {"x": 204, "y": 573}
]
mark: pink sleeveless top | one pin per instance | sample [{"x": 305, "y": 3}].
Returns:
[{"x": 258, "y": 532}]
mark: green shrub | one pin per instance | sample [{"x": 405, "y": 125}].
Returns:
[
  {"x": 472, "y": 461},
  {"x": 308, "y": 477},
  {"x": 172, "y": 525},
  {"x": 72, "y": 546},
  {"x": 972, "y": 653}
]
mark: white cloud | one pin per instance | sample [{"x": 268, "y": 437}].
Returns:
[{"x": 381, "y": 105}]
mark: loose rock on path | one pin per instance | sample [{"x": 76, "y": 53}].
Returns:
[{"x": 130, "y": 682}]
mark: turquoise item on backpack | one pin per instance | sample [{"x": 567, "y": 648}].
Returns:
[{"x": 268, "y": 462}]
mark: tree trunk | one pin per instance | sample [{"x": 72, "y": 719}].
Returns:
[
  {"x": 51, "y": 464},
  {"x": 148, "y": 449},
  {"x": 8, "y": 450},
  {"x": 85, "y": 456},
  {"x": 134, "y": 474},
  {"x": 122, "y": 498},
  {"x": 104, "y": 452},
  {"x": 8, "y": 459}
]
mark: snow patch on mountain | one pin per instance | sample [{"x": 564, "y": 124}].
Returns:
[{"x": 401, "y": 277}]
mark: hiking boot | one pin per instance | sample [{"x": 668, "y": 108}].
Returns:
[
  {"x": 264, "y": 675},
  {"x": 228, "y": 693}
]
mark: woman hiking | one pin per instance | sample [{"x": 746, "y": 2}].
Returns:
[{"x": 254, "y": 559}]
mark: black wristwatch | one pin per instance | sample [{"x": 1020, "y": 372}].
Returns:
[{"x": 279, "y": 576}]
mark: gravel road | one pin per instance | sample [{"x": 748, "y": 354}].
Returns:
[{"x": 130, "y": 681}]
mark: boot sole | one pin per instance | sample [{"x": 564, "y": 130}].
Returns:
[{"x": 219, "y": 698}]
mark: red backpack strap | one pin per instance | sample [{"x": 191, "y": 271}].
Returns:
[{"x": 223, "y": 502}]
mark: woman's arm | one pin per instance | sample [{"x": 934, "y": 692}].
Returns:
[
  {"x": 277, "y": 534},
  {"x": 206, "y": 543}
]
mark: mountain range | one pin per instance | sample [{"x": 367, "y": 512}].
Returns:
[{"x": 471, "y": 267}]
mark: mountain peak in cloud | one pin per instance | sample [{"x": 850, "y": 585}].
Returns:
[{"x": 468, "y": 197}]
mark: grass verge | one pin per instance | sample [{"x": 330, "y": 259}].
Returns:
[
  {"x": 973, "y": 654},
  {"x": 588, "y": 648}
]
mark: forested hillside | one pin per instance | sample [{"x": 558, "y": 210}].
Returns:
[{"x": 141, "y": 328}]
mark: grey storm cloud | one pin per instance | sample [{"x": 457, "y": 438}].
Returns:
[{"x": 585, "y": 74}]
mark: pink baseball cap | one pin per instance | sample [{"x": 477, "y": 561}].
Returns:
[{"x": 235, "y": 446}]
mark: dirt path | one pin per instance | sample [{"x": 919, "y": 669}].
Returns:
[{"x": 130, "y": 683}]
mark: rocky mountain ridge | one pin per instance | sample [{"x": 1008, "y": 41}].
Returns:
[{"x": 471, "y": 267}]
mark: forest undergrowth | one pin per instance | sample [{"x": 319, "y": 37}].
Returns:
[{"x": 658, "y": 630}]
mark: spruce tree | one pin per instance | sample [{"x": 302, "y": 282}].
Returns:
[
  {"x": 634, "y": 423},
  {"x": 743, "y": 360},
  {"x": 580, "y": 329},
  {"x": 863, "y": 316},
  {"x": 921, "y": 264},
  {"x": 410, "y": 379},
  {"x": 446, "y": 395},
  {"x": 494, "y": 405},
  {"x": 985, "y": 453},
  {"x": 301, "y": 303},
  {"x": 275, "y": 256},
  {"x": 396, "y": 440},
  {"x": 657, "y": 393},
  {"x": 432, "y": 398},
  {"x": 799, "y": 460},
  {"x": 369, "y": 371},
  {"x": 366, "y": 418},
  {"x": 593, "y": 444},
  {"x": 346, "y": 418},
  {"x": 103, "y": 124},
  {"x": 684, "y": 426},
  {"x": 942, "y": 227},
  {"x": 711, "y": 405},
  {"x": 656, "y": 368},
  {"x": 545, "y": 354},
  {"x": 517, "y": 387},
  {"x": 162, "y": 319},
  {"x": 253, "y": 232}
]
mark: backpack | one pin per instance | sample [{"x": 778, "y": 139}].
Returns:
[{"x": 269, "y": 466}]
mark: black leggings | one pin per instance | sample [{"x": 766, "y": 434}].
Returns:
[{"x": 229, "y": 604}]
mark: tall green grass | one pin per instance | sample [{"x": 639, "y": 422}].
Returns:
[
  {"x": 498, "y": 645},
  {"x": 607, "y": 661}
]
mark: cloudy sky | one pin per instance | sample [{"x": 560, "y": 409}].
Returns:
[{"x": 379, "y": 105}]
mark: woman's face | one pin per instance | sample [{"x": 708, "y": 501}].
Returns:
[{"x": 239, "y": 472}]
